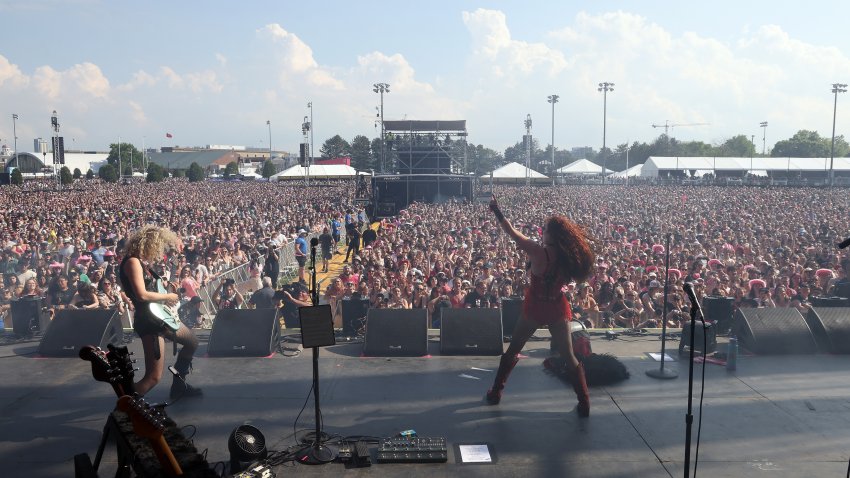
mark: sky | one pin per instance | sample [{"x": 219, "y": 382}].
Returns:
[{"x": 214, "y": 72}]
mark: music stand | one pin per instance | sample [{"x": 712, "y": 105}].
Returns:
[{"x": 317, "y": 330}]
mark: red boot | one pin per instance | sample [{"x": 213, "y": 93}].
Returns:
[
  {"x": 580, "y": 387},
  {"x": 506, "y": 364}
]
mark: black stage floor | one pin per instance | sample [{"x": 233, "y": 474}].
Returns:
[{"x": 778, "y": 416}]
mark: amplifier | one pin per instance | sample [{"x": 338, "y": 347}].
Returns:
[{"x": 413, "y": 450}]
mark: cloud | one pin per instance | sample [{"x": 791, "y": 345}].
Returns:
[
  {"x": 10, "y": 75},
  {"x": 295, "y": 60},
  {"x": 222, "y": 60},
  {"x": 137, "y": 112}
]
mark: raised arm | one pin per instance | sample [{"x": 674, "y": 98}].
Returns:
[{"x": 522, "y": 242}]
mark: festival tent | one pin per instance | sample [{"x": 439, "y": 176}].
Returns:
[
  {"x": 317, "y": 171},
  {"x": 628, "y": 173},
  {"x": 582, "y": 167},
  {"x": 516, "y": 173},
  {"x": 772, "y": 165}
]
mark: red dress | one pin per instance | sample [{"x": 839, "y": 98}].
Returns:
[{"x": 545, "y": 302}]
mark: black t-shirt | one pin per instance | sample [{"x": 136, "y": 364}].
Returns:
[
  {"x": 325, "y": 240},
  {"x": 474, "y": 299},
  {"x": 63, "y": 297},
  {"x": 263, "y": 298}
]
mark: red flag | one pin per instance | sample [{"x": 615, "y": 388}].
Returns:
[{"x": 168, "y": 135}]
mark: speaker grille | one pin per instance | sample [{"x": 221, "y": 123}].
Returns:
[
  {"x": 244, "y": 333},
  {"x": 471, "y": 332},
  {"x": 396, "y": 333},
  {"x": 774, "y": 331},
  {"x": 831, "y": 326}
]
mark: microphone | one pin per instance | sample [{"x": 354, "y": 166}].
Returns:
[
  {"x": 844, "y": 243},
  {"x": 689, "y": 289},
  {"x": 314, "y": 242}
]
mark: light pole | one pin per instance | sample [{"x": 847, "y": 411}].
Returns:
[
  {"x": 763, "y": 125},
  {"x": 269, "y": 124},
  {"x": 836, "y": 88},
  {"x": 312, "y": 145},
  {"x": 553, "y": 99},
  {"x": 305, "y": 128},
  {"x": 381, "y": 88},
  {"x": 15, "y": 134},
  {"x": 604, "y": 87}
]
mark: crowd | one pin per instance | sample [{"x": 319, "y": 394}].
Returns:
[{"x": 761, "y": 247}]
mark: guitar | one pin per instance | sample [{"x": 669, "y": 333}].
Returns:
[
  {"x": 165, "y": 313},
  {"x": 116, "y": 370},
  {"x": 149, "y": 423}
]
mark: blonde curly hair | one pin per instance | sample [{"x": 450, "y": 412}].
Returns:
[{"x": 150, "y": 242}]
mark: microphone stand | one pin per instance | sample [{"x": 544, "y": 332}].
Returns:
[
  {"x": 664, "y": 373},
  {"x": 318, "y": 453},
  {"x": 689, "y": 418}
]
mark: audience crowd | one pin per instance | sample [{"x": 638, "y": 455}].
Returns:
[{"x": 760, "y": 247}]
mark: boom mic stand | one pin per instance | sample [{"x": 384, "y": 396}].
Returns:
[
  {"x": 318, "y": 453},
  {"x": 664, "y": 373},
  {"x": 689, "y": 418}
]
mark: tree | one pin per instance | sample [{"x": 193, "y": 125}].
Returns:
[
  {"x": 361, "y": 153},
  {"x": 231, "y": 169},
  {"x": 108, "y": 173},
  {"x": 195, "y": 173},
  {"x": 17, "y": 177},
  {"x": 481, "y": 160},
  {"x": 65, "y": 176},
  {"x": 178, "y": 173},
  {"x": 376, "y": 155},
  {"x": 89, "y": 174},
  {"x": 268, "y": 169},
  {"x": 738, "y": 146},
  {"x": 335, "y": 147},
  {"x": 156, "y": 173},
  {"x": 77, "y": 173},
  {"x": 809, "y": 144},
  {"x": 131, "y": 158}
]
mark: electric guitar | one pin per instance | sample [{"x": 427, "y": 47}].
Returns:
[
  {"x": 149, "y": 422},
  {"x": 114, "y": 367},
  {"x": 165, "y": 313}
]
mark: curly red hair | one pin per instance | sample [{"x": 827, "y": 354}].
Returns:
[{"x": 575, "y": 255}]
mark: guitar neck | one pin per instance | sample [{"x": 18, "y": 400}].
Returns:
[{"x": 163, "y": 453}]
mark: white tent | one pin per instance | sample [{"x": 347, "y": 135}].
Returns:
[
  {"x": 318, "y": 171},
  {"x": 582, "y": 166},
  {"x": 629, "y": 173},
  {"x": 654, "y": 164},
  {"x": 515, "y": 172}
]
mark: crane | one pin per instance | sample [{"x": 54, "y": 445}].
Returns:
[{"x": 667, "y": 125}]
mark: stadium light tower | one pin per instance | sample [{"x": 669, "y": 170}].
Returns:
[
  {"x": 382, "y": 88},
  {"x": 836, "y": 88},
  {"x": 604, "y": 87},
  {"x": 553, "y": 99},
  {"x": 763, "y": 125},
  {"x": 15, "y": 134},
  {"x": 269, "y": 124}
]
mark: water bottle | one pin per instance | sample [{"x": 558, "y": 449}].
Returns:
[{"x": 732, "y": 354}]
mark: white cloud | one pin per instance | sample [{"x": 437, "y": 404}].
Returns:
[
  {"x": 296, "y": 60},
  {"x": 222, "y": 60},
  {"x": 89, "y": 79},
  {"x": 137, "y": 112},
  {"x": 10, "y": 75}
]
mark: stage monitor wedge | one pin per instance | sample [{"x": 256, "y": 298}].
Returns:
[
  {"x": 831, "y": 328},
  {"x": 396, "y": 333},
  {"x": 244, "y": 333},
  {"x": 72, "y": 329},
  {"x": 780, "y": 330},
  {"x": 471, "y": 332}
]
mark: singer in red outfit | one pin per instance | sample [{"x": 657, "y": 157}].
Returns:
[{"x": 564, "y": 255}]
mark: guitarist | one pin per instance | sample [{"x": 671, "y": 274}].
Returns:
[{"x": 145, "y": 246}]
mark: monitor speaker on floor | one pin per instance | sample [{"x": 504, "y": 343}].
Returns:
[
  {"x": 244, "y": 333},
  {"x": 71, "y": 329},
  {"x": 831, "y": 328},
  {"x": 396, "y": 333},
  {"x": 511, "y": 312},
  {"x": 780, "y": 330},
  {"x": 471, "y": 332}
]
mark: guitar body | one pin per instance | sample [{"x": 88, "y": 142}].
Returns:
[
  {"x": 148, "y": 423},
  {"x": 163, "y": 312}
]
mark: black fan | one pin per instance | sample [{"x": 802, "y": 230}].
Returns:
[{"x": 246, "y": 445}]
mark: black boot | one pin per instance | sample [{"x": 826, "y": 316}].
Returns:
[{"x": 179, "y": 386}]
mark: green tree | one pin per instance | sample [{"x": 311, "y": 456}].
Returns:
[
  {"x": 231, "y": 169},
  {"x": 809, "y": 144},
  {"x": 65, "y": 176},
  {"x": 481, "y": 160},
  {"x": 131, "y": 158},
  {"x": 516, "y": 153},
  {"x": 335, "y": 147},
  {"x": 178, "y": 173},
  {"x": 77, "y": 173},
  {"x": 89, "y": 174},
  {"x": 108, "y": 173},
  {"x": 195, "y": 173},
  {"x": 361, "y": 153},
  {"x": 738, "y": 146},
  {"x": 268, "y": 169},
  {"x": 17, "y": 177},
  {"x": 376, "y": 155},
  {"x": 156, "y": 173}
]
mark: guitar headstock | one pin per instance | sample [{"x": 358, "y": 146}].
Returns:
[
  {"x": 148, "y": 422},
  {"x": 101, "y": 369},
  {"x": 121, "y": 360}
]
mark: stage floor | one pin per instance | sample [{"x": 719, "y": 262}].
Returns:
[{"x": 778, "y": 416}]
